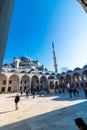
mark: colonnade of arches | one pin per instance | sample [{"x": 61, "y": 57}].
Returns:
[
  {"x": 14, "y": 83},
  {"x": 74, "y": 80}
]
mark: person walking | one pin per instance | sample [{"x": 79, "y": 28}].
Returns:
[
  {"x": 33, "y": 93},
  {"x": 81, "y": 124},
  {"x": 17, "y": 99},
  {"x": 85, "y": 91}
]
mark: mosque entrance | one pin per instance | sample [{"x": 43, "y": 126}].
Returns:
[
  {"x": 9, "y": 89},
  {"x": 2, "y": 89}
]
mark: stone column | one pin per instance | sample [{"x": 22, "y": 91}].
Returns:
[
  {"x": 7, "y": 82},
  {"x": 6, "y": 7}
]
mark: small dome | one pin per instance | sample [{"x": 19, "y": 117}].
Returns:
[
  {"x": 13, "y": 71},
  {"x": 31, "y": 70},
  {"x": 51, "y": 77},
  {"x": 53, "y": 74},
  {"x": 69, "y": 71},
  {"x": 63, "y": 73},
  {"x": 23, "y": 71},
  {"x": 85, "y": 67},
  {"x": 47, "y": 73},
  {"x": 41, "y": 73},
  {"x": 77, "y": 69}
]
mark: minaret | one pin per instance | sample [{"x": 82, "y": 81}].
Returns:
[{"x": 54, "y": 58}]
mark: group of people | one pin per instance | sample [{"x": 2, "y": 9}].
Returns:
[
  {"x": 73, "y": 91},
  {"x": 17, "y": 97}
]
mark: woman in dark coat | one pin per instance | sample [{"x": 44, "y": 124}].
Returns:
[{"x": 17, "y": 99}]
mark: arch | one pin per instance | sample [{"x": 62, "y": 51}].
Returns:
[
  {"x": 84, "y": 77},
  {"x": 25, "y": 83},
  {"x": 51, "y": 85},
  {"x": 76, "y": 77},
  {"x": 34, "y": 82},
  {"x": 3, "y": 83},
  {"x": 77, "y": 80},
  {"x": 68, "y": 80},
  {"x": 43, "y": 82},
  {"x": 13, "y": 85},
  {"x": 62, "y": 81},
  {"x": 56, "y": 85}
]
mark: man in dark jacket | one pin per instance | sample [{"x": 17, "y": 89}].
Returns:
[{"x": 17, "y": 99}]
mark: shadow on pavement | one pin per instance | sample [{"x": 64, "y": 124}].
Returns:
[
  {"x": 6, "y": 111},
  {"x": 60, "y": 119}
]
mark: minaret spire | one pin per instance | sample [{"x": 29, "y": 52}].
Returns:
[{"x": 54, "y": 58}]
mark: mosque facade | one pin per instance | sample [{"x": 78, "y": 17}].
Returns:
[{"x": 25, "y": 73}]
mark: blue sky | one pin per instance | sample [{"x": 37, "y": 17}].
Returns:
[{"x": 36, "y": 23}]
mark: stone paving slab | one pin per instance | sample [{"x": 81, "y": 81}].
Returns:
[{"x": 50, "y": 112}]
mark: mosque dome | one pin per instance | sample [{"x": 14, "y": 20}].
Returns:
[
  {"x": 63, "y": 73},
  {"x": 69, "y": 71},
  {"x": 77, "y": 69},
  {"x": 52, "y": 77},
  {"x": 85, "y": 67},
  {"x": 53, "y": 74},
  {"x": 47, "y": 73},
  {"x": 13, "y": 71},
  {"x": 23, "y": 72},
  {"x": 41, "y": 73},
  {"x": 25, "y": 58}
]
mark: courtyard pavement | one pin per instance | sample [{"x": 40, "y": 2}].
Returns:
[{"x": 48, "y": 112}]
